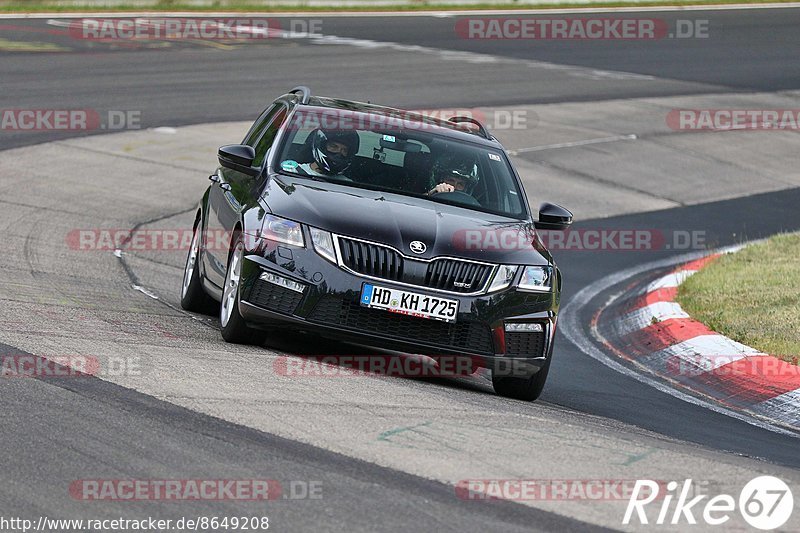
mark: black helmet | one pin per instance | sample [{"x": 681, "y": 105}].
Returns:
[
  {"x": 333, "y": 163},
  {"x": 457, "y": 165}
]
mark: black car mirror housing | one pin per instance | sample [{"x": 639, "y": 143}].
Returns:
[
  {"x": 553, "y": 217},
  {"x": 238, "y": 157}
]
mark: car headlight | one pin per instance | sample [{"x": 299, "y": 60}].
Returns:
[
  {"x": 536, "y": 278},
  {"x": 281, "y": 230},
  {"x": 323, "y": 244},
  {"x": 503, "y": 277}
]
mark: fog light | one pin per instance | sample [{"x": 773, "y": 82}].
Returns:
[
  {"x": 528, "y": 327},
  {"x": 282, "y": 282}
]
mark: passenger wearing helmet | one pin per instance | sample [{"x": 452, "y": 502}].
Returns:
[
  {"x": 333, "y": 152},
  {"x": 454, "y": 173}
]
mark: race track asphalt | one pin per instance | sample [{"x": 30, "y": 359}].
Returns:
[{"x": 386, "y": 451}]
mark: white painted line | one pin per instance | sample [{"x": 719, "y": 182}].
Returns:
[
  {"x": 599, "y": 140},
  {"x": 576, "y": 332},
  {"x": 734, "y": 249},
  {"x": 707, "y": 345},
  {"x": 145, "y": 291},
  {"x": 648, "y": 315},
  {"x": 476, "y": 58},
  {"x": 786, "y": 407},
  {"x": 442, "y": 54},
  {"x": 697, "y": 356},
  {"x": 670, "y": 281}
]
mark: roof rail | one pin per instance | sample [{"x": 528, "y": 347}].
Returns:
[
  {"x": 482, "y": 131},
  {"x": 304, "y": 91}
]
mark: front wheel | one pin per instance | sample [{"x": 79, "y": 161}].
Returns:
[
  {"x": 234, "y": 329},
  {"x": 525, "y": 389}
]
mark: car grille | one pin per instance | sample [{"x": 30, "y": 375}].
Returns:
[
  {"x": 525, "y": 344},
  {"x": 457, "y": 276},
  {"x": 371, "y": 260},
  {"x": 273, "y": 297},
  {"x": 382, "y": 262},
  {"x": 471, "y": 336}
]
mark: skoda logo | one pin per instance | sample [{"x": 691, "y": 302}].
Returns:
[{"x": 418, "y": 247}]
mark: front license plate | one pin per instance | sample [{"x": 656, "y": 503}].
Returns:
[{"x": 409, "y": 303}]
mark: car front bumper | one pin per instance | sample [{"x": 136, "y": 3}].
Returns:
[{"x": 328, "y": 303}]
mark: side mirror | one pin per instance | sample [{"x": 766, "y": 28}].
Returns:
[
  {"x": 238, "y": 157},
  {"x": 553, "y": 217}
]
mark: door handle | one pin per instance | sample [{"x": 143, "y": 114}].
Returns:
[
  {"x": 214, "y": 178},
  {"x": 224, "y": 186}
]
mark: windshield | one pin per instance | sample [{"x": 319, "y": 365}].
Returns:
[{"x": 406, "y": 158}]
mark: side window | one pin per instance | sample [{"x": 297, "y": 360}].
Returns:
[
  {"x": 259, "y": 125},
  {"x": 265, "y": 142}
]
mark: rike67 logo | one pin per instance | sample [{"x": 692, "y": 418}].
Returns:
[{"x": 765, "y": 503}]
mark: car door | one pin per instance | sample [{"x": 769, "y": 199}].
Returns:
[{"x": 234, "y": 190}]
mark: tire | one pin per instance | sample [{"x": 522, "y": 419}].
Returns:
[
  {"x": 193, "y": 296},
  {"x": 233, "y": 327},
  {"x": 525, "y": 389}
]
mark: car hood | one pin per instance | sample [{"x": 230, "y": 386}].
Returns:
[{"x": 397, "y": 220}]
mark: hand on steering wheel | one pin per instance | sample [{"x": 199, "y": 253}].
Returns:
[{"x": 442, "y": 187}]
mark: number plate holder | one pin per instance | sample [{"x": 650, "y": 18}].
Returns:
[{"x": 409, "y": 303}]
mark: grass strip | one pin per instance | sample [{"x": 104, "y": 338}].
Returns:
[{"x": 752, "y": 296}]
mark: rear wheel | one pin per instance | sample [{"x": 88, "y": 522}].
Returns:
[
  {"x": 234, "y": 329},
  {"x": 193, "y": 296},
  {"x": 526, "y": 389}
]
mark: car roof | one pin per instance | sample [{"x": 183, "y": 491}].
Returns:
[{"x": 438, "y": 126}]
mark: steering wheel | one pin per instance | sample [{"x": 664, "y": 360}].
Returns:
[{"x": 459, "y": 197}]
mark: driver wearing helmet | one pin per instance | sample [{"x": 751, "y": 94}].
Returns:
[
  {"x": 454, "y": 174},
  {"x": 333, "y": 152}
]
